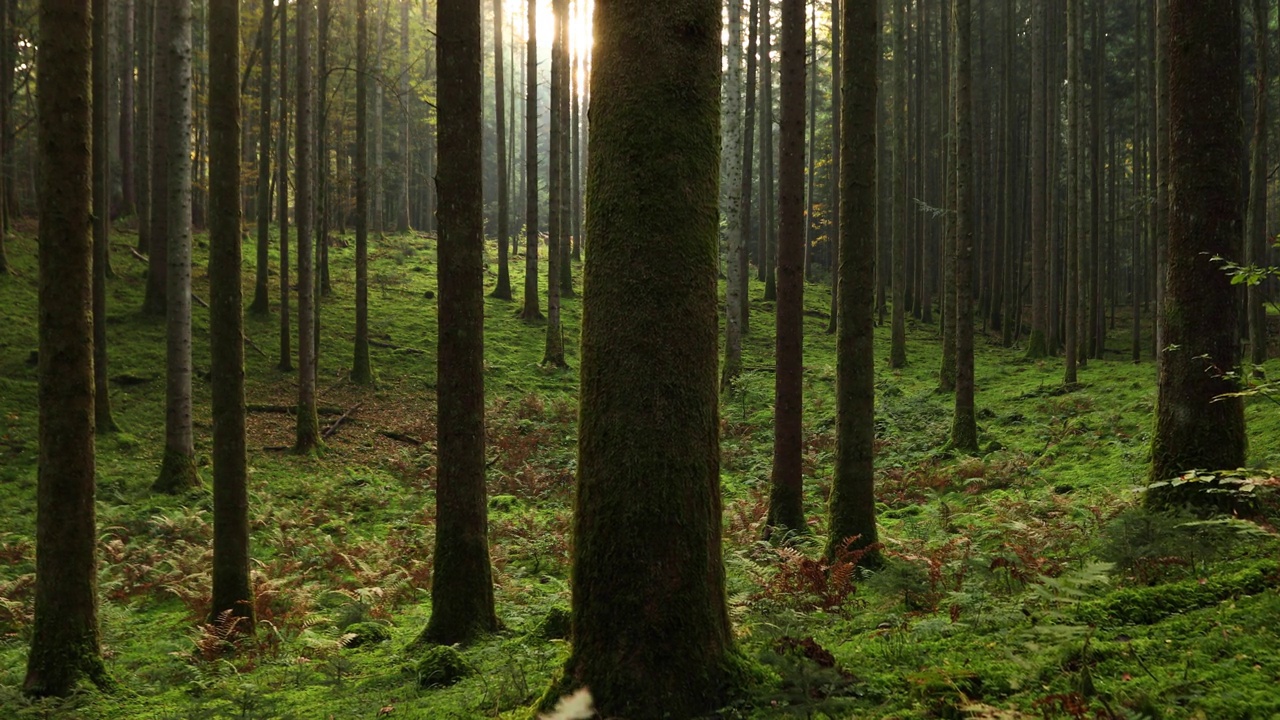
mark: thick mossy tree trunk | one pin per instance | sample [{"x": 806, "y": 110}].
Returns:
[
  {"x": 307, "y": 437},
  {"x": 1195, "y": 426},
  {"x": 503, "y": 289},
  {"x": 64, "y": 639},
  {"x": 178, "y": 468},
  {"x": 964, "y": 426},
  {"x": 261, "y": 291},
  {"x": 651, "y": 635},
  {"x": 898, "y": 332},
  {"x": 530, "y": 312},
  {"x": 104, "y": 422},
  {"x": 362, "y": 368},
  {"x": 461, "y": 583},
  {"x": 231, "y": 587},
  {"x": 786, "y": 498},
  {"x": 852, "y": 510},
  {"x": 731, "y": 184}
]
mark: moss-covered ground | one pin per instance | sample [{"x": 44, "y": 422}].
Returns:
[{"x": 1024, "y": 583}]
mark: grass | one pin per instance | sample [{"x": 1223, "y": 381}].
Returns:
[{"x": 977, "y": 613}]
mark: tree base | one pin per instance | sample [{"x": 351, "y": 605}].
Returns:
[
  {"x": 1037, "y": 347},
  {"x": 177, "y": 473}
]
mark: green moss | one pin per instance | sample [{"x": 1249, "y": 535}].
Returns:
[
  {"x": 177, "y": 473},
  {"x": 366, "y": 633},
  {"x": 555, "y": 625},
  {"x": 1144, "y": 606},
  {"x": 441, "y": 666}
]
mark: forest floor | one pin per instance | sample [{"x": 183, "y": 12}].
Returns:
[{"x": 1024, "y": 583}]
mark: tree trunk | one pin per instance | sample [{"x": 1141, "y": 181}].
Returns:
[
  {"x": 833, "y": 232},
  {"x": 461, "y": 584},
  {"x": 503, "y": 289},
  {"x": 964, "y": 428},
  {"x": 65, "y": 640},
  {"x": 786, "y": 501},
  {"x": 282, "y": 185},
  {"x": 852, "y": 505},
  {"x": 231, "y": 586},
  {"x": 531, "y": 312},
  {"x": 554, "y": 352},
  {"x": 749, "y": 128},
  {"x": 898, "y": 340},
  {"x": 768, "y": 228},
  {"x": 809, "y": 222},
  {"x": 104, "y": 421},
  {"x": 308, "y": 426},
  {"x": 402, "y": 219},
  {"x": 1195, "y": 426},
  {"x": 731, "y": 181},
  {"x": 947, "y": 372},
  {"x": 178, "y": 469},
  {"x": 362, "y": 368},
  {"x": 1073, "y": 210},
  {"x": 261, "y": 294},
  {"x": 1038, "y": 346},
  {"x": 651, "y": 634},
  {"x": 156, "y": 296},
  {"x": 1255, "y": 246},
  {"x": 143, "y": 32},
  {"x": 125, "y": 129},
  {"x": 323, "y": 211}
]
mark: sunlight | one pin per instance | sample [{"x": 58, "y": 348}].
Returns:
[{"x": 579, "y": 23}]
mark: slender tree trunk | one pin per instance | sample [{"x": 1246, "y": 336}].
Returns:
[
  {"x": 833, "y": 233},
  {"x": 125, "y": 128},
  {"x": 156, "y": 296},
  {"x": 852, "y": 508},
  {"x": 566, "y": 175},
  {"x": 261, "y": 293},
  {"x": 282, "y": 185},
  {"x": 531, "y": 311},
  {"x": 644, "y": 624},
  {"x": 308, "y": 426},
  {"x": 8, "y": 141},
  {"x": 104, "y": 421},
  {"x": 461, "y": 584},
  {"x": 323, "y": 213},
  {"x": 768, "y": 231},
  {"x": 231, "y": 586},
  {"x": 749, "y": 128},
  {"x": 1160, "y": 187},
  {"x": 1255, "y": 244},
  {"x": 964, "y": 428},
  {"x": 402, "y": 218},
  {"x": 898, "y": 343},
  {"x": 1073, "y": 210},
  {"x": 65, "y": 644},
  {"x": 731, "y": 181},
  {"x": 810, "y": 200},
  {"x": 361, "y": 368},
  {"x": 554, "y": 353},
  {"x": 6, "y": 81},
  {"x": 503, "y": 290},
  {"x": 1038, "y": 346},
  {"x": 1195, "y": 426},
  {"x": 786, "y": 501},
  {"x": 1092, "y": 323},
  {"x": 947, "y": 373},
  {"x": 575, "y": 126},
  {"x": 143, "y": 32}
]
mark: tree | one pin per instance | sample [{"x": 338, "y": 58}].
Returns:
[
  {"x": 852, "y": 508},
  {"x": 144, "y": 38},
  {"x": 461, "y": 583},
  {"x": 554, "y": 352},
  {"x": 1255, "y": 247},
  {"x": 65, "y": 643},
  {"x": 651, "y": 635},
  {"x": 964, "y": 428},
  {"x": 361, "y": 368},
  {"x": 786, "y": 499},
  {"x": 308, "y": 426},
  {"x": 231, "y": 587},
  {"x": 104, "y": 422},
  {"x": 748, "y": 156},
  {"x": 1038, "y": 346},
  {"x": 530, "y": 312},
  {"x": 898, "y": 344},
  {"x": 156, "y": 297},
  {"x": 768, "y": 231},
  {"x": 1195, "y": 426},
  {"x": 731, "y": 182},
  {"x": 833, "y": 233},
  {"x": 282, "y": 187},
  {"x": 178, "y": 468},
  {"x": 1074, "y": 78},
  {"x": 261, "y": 293},
  {"x": 503, "y": 289}
]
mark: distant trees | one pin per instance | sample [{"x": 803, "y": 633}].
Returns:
[
  {"x": 651, "y": 635},
  {"x": 65, "y": 645},
  {"x": 1196, "y": 427},
  {"x": 461, "y": 582}
]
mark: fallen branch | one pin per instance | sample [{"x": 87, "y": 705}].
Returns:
[
  {"x": 341, "y": 419},
  {"x": 289, "y": 409},
  {"x": 389, "y": 346},
  {"x": 401, "y": 437}
]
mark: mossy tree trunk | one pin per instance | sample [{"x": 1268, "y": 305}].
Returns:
[
  {"x": 731, "y": 182},
  {"x": 651, "y": 634},
  {"x": 786, "y": 498},
  {"x": 362, "y": 368},
  {"x": 104, "y": 421},
  {"x": 307, "y": 437},
  {"x": 461, "y": 583},
  {"x": 231, "y": 587},
  {"x": 964, "y": 427},
  {"x": 261, "y": 292},
  {"x": 178, "y": 468},
  {"x": 1195, "y": 427},
  {"x": 531, "y": 311},
  {"x": 852, "y": 509},
  {"x": 554, "y": 352},
  {"x": 1038, "y": 345},
  {"x": 65, "y": 640}
]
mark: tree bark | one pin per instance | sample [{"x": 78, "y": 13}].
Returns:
[
  {"x": 732, "y": 182},
  {"x": 127, "y": 181},
  {"x": 282, "y": 186},
  {"x": 554, "y": 353},
  {"x": 104, "y": 422},
  {"x": 1195, "y": 426},
  {"x": 65, "y": 645},
  {"x": 531, "y": 311},
  {"x": 833, "y": 232},
  {"x": 964, "y": 427},
  {"x": 461, "y": 584},
  {"x": 749, "y": 128},
  {"x": 1256, "y": 231},
  {"x": 503, "y": 289},
  {"x": 898, "y": 332},
  {"x": 1038, "y": 346},
  {"x": 1073, "y": 210},
  {"x": 362, "y": 368},
  {"x": 261, "y": 293},
  {"x": 156, "y": 296},
  {"x": 651, "y": 634},
  {"x": 768, "y": 229},
  {"x": 308, "y": 426},
  {"x": 144, "y": 42}
]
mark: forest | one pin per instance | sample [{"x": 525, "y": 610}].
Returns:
[{"x": 640, "y": 359}]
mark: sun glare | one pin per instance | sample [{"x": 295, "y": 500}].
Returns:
[{"x": 579, "y": 23}]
